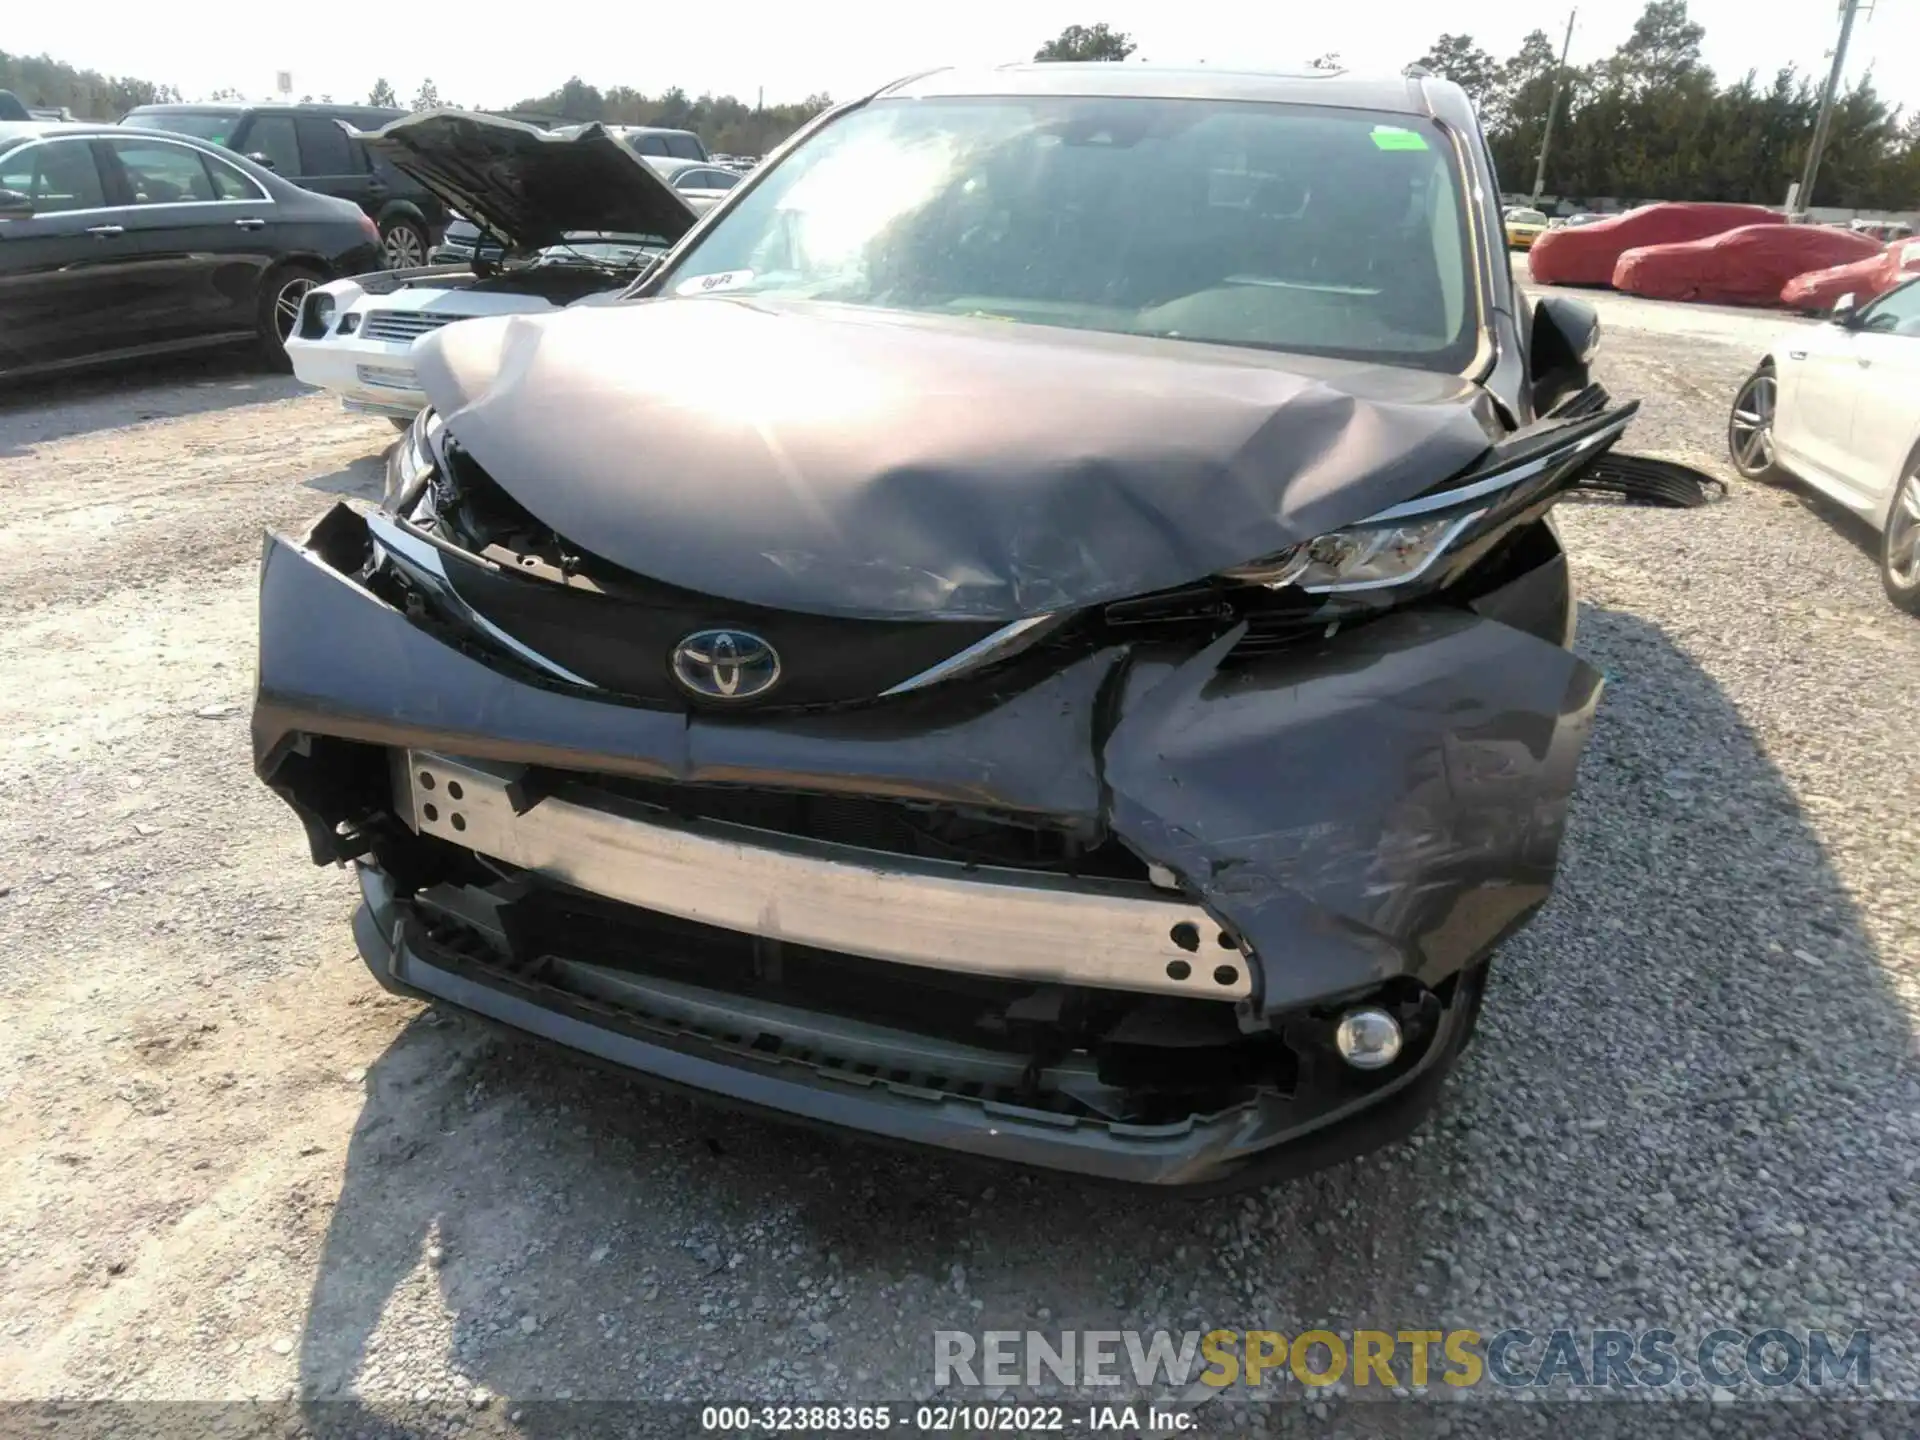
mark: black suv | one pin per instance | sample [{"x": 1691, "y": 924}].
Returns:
[{"x": 309, "y": 145}]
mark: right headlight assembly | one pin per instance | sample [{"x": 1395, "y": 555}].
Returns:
[
  {"x": 1398, "y": 551},
  {"x": 1377, "y": 555}
]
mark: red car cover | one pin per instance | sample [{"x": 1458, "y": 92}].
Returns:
[
  {"x": 1586, "y": 254},
  {"x": 1816, "y": 290},
  {"x": 1747, "y": 266}
]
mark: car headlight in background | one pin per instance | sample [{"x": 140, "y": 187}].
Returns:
[
  {"x": 316, "y": 314},
  {"x": 411, "y": 463}
]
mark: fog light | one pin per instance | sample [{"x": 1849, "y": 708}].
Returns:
[{"x": 1368, "y": 1039}]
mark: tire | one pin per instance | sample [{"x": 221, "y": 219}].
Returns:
[
  {"x": 285, "y": 286},
  {"x": 1750, "y": 427},
  {"x": 1900, "y": 542},
  {"x": 403, "y": 245}
]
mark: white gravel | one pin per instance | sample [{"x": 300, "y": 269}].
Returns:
[{"x": 230, "y": 1167}]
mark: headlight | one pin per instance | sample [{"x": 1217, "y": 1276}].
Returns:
[
  {"x": 412, "y": 462},
  {"x": 1369, "y": 556},
  {"x": 320, "y": 307}
]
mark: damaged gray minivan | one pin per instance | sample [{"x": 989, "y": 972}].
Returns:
[{"x": 1035, "y": 630}]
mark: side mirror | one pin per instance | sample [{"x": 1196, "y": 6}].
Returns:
[
  {"x": 1845, "y": 311},
  {"x": 260, "y": 159},
  {"x": 1560, "y": 349},
  {"x": 15, "y": 205}
]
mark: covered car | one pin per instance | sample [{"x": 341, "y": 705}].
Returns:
[
  {"x": 1816, "y": 291},
  {"x": 1748, "y": 266},
  {"x": 1006, "y": 640},
  {"x": 555, "y": 216},
  {"x": 1586, "y": 254}
]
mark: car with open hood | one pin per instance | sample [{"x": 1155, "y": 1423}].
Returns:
[
  {"x": 564, "y": 214},
  {"x": 1066, "y": 659}
]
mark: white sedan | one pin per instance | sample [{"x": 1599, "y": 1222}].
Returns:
[
  {"x": 566, "y": 215},
  {"x": 1838, "y": 406}
]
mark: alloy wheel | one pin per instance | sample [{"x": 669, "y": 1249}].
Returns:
[
  {"x": 403, "y": 248},
  {"x": 1903, "y": 534},
  {"x": 1750, "y": 427},
  {"x": 286, "y": 304}
]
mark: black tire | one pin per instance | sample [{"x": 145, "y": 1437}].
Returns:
[
  {"x": 1750, "y": 427},
  {"x": 284, "y": 285},
  {"x": 403, "y": 245},
  {"x": 1900, "y": 541}
]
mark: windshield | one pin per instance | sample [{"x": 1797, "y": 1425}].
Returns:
[
  {"x": 1336, "y": 232},
  {"x": 1527, "y": 217},
  {"x": 203, "y": 124}
]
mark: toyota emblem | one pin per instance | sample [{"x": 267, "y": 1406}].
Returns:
[{"x": 726, "y": 664}]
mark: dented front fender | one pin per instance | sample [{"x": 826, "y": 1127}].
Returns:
[{"x": 1386, "y": 802}]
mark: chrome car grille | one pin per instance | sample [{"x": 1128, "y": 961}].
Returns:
[{"x": 400, "y": 325}]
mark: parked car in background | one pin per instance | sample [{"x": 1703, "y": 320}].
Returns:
[
  {"x": 116, "y": 243},
  {"x": 1524, "y": 226},
  {"x": 1586, "y": 254},
  {"x": 656, "y": 143},
  {"x": 700, "y": 183},
  {"x": 12, "y": 108},
  {"x": 1031, "y": 659},
  {"x": 1817, "y": 291},
  {"x": 1838, "y": 406},
  {"x": 313, "y": 146},
  {"x": 1884, "y": 231},
  {"x": 568, "y": 213},
  {"x": 1746, "y": 266}
]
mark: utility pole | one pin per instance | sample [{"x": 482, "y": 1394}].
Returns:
[
  {"x": 1553, "y": 105},
  {"x": 1804, "y": 198}
]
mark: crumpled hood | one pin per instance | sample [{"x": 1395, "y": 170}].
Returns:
[
  {"x": 855, "y": 462},
  {"x": 530, "y": 187}
]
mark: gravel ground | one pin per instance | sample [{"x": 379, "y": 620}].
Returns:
[{"x": 231, "y": 1167}]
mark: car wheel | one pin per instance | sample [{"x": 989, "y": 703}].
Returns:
[
  {"x": 403, "y": 246},
  {"x": 1900, "y": 543},
  {"x": 281, "y": 297},
  {"x": 1750, "y": 428}
]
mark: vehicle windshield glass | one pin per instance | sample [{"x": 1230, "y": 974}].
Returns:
[
  {"x": 202, "y": 124},
  {"x": 1286, "y": 227},
  {"x": 1528, "y": 217}
]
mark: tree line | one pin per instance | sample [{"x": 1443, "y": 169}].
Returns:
[
  {"x": 1651, "y": 122},
  {"x": 728, "y": 126}
]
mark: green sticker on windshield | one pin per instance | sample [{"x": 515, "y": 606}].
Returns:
[{"x": 1392, "y": 137}]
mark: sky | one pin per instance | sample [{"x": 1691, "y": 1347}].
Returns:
[{"x": 490, "y": 53}]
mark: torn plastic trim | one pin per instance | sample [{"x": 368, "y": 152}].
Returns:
[
  {"x": 1510, "y": 475},
  {"x": 420, "y": 558},
  {"x": 1002, "y": 644}
]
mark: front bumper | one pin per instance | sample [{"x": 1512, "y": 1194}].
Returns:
[
  {"x": 1256, "y": 1142},
  {"x": 1375, "y": 809},
  {"x": 373, "y": 377}
]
